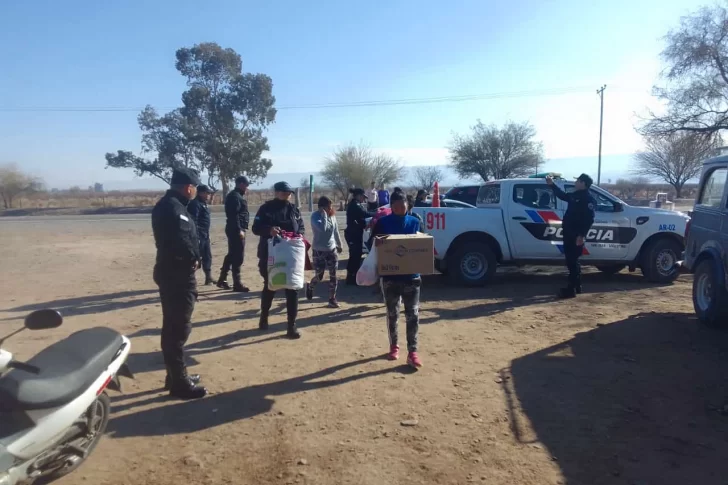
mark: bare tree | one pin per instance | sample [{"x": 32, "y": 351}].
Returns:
[
  {"x": 675, "y": 158},
  {"x": 629, "y": 188},
  {"x": 696, "y": 77},
  {"x": 14, "y": 183},
  {"x": 357, "y": 166},
  {"x": 425, "y": 177},
  {"x": 496, "y": 153}
]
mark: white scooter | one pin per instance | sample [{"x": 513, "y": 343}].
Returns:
[{"x": 54, "y": 408}]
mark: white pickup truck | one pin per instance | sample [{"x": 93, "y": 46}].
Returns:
[{"x": 518, "y": 222}]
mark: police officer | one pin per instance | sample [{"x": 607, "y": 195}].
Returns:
[
  {"x": 200, "y": 213},
  {"x": 356, "y": 216},
  {"x": 237, "y": 215},
  {"x": 178, "y": 256},
  {"x": 273, "y": 217},
  {"x": 578, "y": 219}
]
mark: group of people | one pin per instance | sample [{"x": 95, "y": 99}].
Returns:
[{"x": 181, "y": 226}]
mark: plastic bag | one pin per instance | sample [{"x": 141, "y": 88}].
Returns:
[
  {"x": 367, "y": 274},
  {"x": 286, "y": 263}
]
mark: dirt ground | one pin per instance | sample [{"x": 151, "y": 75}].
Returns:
[{"x": 620, "y": 386}]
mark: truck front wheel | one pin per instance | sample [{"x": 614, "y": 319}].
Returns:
[
  {"x": 658, "y": 260},
  {"x": 710, "y": 298},
  {"x": 472, "y": 264}
]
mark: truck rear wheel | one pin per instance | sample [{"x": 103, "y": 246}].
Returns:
[
  {"x": 658, "y": 260},
  {"x": 710, "y": 298},
  {"x": 472, "y": 264}
]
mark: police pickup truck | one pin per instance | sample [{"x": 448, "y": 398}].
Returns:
[{"x": 518, "y": 222}]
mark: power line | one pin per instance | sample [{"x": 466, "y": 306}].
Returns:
[{"x": 351, "y": 104}]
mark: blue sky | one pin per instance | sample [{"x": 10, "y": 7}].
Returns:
[{"x": 121, "y": 54}]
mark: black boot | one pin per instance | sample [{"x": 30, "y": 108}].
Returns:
[
  {"x": 266, "y": 301},
  {"x": 238, "y": 286},
  {"x": 222, "y": 282},
  {"x": 208, "y": 279},
  {"x": 195, "y": 378},
  {"x": 182, "y": 387},
  {"x": 293, "y": 332},
  {"x": 263, "y": 323}
]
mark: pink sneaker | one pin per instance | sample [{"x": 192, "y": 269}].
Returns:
[
  {"x": 393, "y": 353},
  {"x": 413, "y": 360}
]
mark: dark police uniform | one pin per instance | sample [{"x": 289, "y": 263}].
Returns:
[
  {"x": 578, "y": 219},
  {"x": 356, "y": 222},
  {"x": 200, "y": 213},
  {"x": 178, "y": 256},
  {"x": 237, "y": 216},
  {"x": 286, "y": 216}
]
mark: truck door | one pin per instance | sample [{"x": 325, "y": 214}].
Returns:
[
  {"x": 533, "y": 221},
  {"x": 610, "y": 235}
]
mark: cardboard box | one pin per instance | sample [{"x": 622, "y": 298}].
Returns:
[{"x": 405, "y": 254}]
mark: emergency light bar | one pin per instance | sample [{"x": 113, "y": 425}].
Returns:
[{"x": 545, "y": 174}]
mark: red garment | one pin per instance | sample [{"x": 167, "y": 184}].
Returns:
[
  {"x": 291, "y": 235},
  {"x": 381, "y": 212}
]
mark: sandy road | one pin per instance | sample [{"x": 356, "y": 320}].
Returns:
[{"x": 619, "y": 386}]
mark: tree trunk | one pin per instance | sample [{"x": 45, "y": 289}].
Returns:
[
  {"x": 678, "y": 190},
  {"x": 225, "y": 189}
]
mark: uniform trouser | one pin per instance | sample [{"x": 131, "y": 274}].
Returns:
[
  {"x": 178, "y": 293},
  {"x": 572, "y": 252},
  {"x": 266, "y": 298},
  {"x": 409, "y": 293},
  {"x": 323, "y": 261},
  {"x": 234, "y": 257},
  {"x": 355, "y": 253},
  {"x": 206, "y": 255}
]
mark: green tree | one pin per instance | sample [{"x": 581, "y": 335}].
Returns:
[
  {"x": 219, "y": 130},
  {"x": 496, "y": 153},
  {"x": 227, "y": 112},
  {"x": 166, "y": 138},
  {"x": 696, "y": 77}
]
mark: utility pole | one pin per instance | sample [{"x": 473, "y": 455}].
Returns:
[{"x": 600, "y": 92}]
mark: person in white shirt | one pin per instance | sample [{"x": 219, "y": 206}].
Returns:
[{"x": 373, "y": 195}]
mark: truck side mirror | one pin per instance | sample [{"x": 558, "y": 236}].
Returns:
[{"x": 618, "y": 207}]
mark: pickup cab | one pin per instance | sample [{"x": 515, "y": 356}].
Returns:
[{"x": 518, "y": 222}]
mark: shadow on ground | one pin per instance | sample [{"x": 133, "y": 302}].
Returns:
[
  {"x": 227, "y": 407},
  {"x": 84, "y": 305},
  {"x": 152, "y": 361},
  {"x": 637, "y": 401}
]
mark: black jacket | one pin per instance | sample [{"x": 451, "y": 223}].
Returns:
[
  {"x": 175, "y": 234},
  {"x": 356, "y": 217},
  {"x": 579, "y": 215},
  {"x": 276, "y": 213},
  {"x": 236, "y": 212},
  {"x": 200, "y": 213}
]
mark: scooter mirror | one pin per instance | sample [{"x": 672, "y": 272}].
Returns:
[{"x": 43, "y": 319}]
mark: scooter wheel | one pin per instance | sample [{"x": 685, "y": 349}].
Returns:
[{"x": 97, "y": 418}]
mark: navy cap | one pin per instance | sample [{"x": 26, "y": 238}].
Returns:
[
  {"x": 185, "y": 176},
  {"x": 283, "y": 187},
  {"x": 586, "y": 179},
  {"x": 356, "y": 192},
  {"x": 204, "y": 188},
  {"x": 242, "y": 180}
]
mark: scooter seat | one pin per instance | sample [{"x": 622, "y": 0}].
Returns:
[{"x": 67, "y": 369}]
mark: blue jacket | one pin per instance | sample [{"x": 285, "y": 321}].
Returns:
[{"x": 394, "y": 224}]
